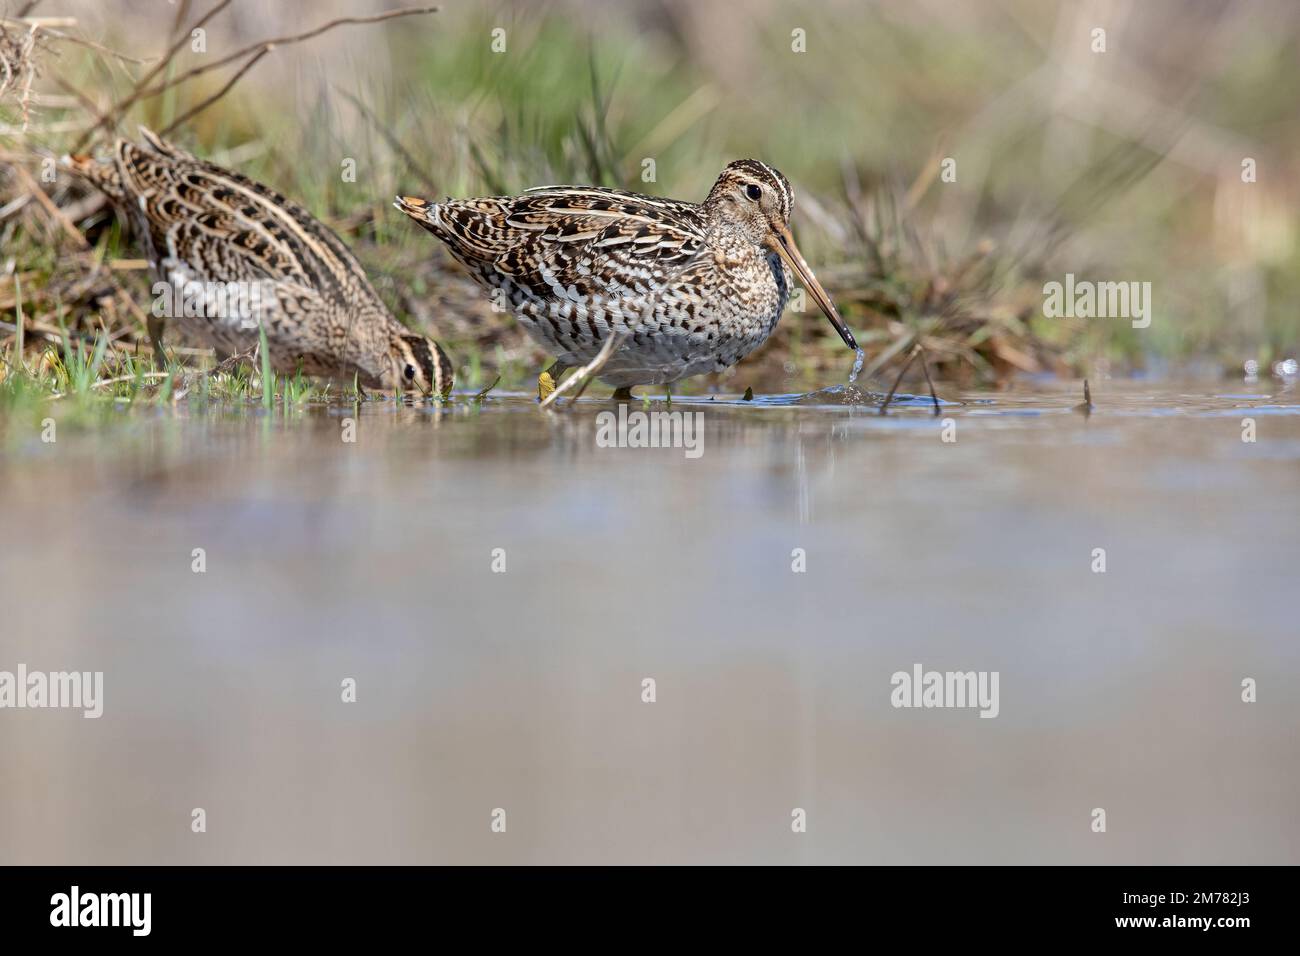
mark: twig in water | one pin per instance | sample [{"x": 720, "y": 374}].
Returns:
[
  {"x": 1085, "y": 409},
  {"x": 128, "y": 378},
  {"x": 588, "y": 371},
  {"x": 483, "y": 393}
]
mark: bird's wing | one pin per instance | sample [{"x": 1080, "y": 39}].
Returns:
[
  {"x": 570, "y": 241},
  {"x": 228, "y": 227}
]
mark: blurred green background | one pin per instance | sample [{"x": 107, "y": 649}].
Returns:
[{"x": 1117, "y": 165}]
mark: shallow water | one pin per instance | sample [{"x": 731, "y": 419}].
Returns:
[{"x": 522, "y": 690}]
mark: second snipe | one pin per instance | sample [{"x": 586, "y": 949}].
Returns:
[{"x": 682, "y": 288}]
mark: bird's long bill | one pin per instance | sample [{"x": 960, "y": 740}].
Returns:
[{"x": 783, "y": 243}]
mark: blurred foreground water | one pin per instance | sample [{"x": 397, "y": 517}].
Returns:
[{"x": 522, "y": 690}]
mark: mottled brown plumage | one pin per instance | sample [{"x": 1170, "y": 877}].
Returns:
[
  {"x": 693, "y": 287},
  {"x": 234, "y": 255}
]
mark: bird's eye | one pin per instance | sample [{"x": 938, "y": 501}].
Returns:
[
  {"x": 754, "y": 192},
  {"x": 410, "y": 373}
]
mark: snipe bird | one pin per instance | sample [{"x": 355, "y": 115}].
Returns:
[
  {"x": 685, "y": 288},
  {"x": 208, "y": 231}
]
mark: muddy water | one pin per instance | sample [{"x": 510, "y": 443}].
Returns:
[{"x": 522, "y": 689}]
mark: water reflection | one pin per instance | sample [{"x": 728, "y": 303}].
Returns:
[{"x": 521, "y": 689}]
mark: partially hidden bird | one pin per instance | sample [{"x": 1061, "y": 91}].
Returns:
[
  {"x": 243, "y": 258},
  {"x": 639, "y": 290}
]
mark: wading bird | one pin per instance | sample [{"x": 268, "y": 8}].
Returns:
[
  {"x": 637, "y": 289},
  {"x": 242, "y": 257}
]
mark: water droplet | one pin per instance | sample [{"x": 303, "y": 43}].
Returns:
[{"x": 857, "y": 366}]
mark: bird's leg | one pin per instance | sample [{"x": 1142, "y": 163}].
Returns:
[
  {"x": 549, "y": 379},
  {"x": 589, "y": 371},
  {"x": 623, "y": 394},
  {"x": 156, "y": 324},
  {"x": 911, "y": 357},
  {"x": 917, "y": 350}
]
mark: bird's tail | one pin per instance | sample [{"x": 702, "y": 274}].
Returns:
[
  {"x": 422, "y": 211},
  {"x": 104, "y": 176},
  {"x": 107, "y": 175}
]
